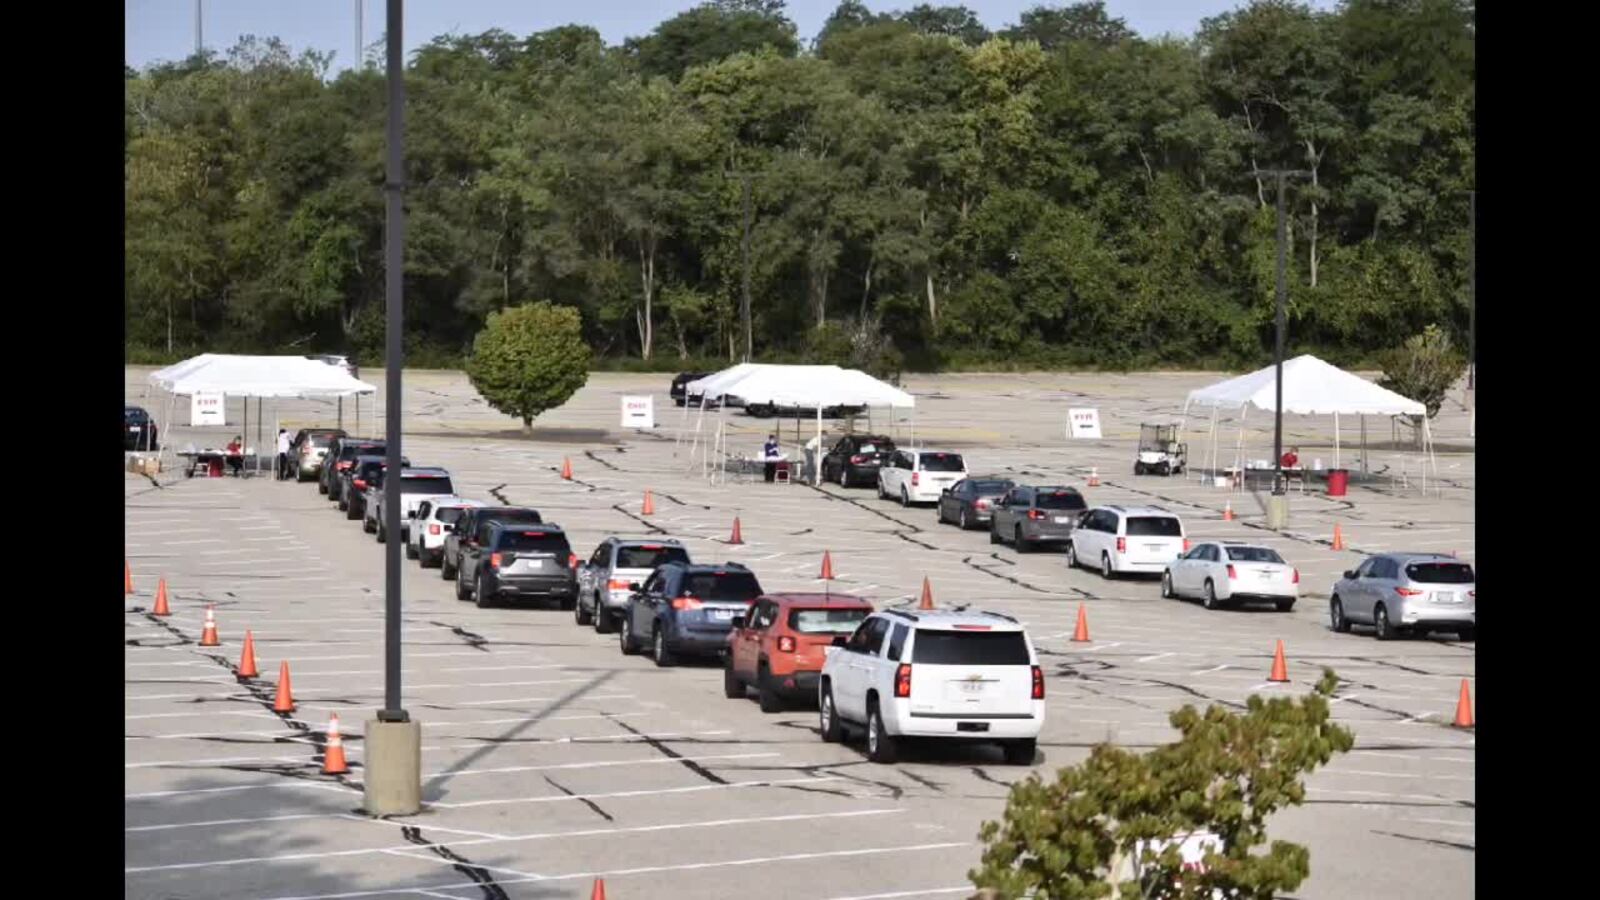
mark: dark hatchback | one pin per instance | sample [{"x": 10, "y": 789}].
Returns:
[
  {"x": 854, "y": 460},
  {"x": 365, "y": 471},
  {"x": 687, "y": 609},
  {"x": 138, "y": 429}
]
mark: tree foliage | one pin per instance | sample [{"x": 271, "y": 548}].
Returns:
[
  {"x": 1424, "y": 369},
  {"x": 1083, "y": 834},
  {"x": 1062, "y": 192},
  {"x": 529, "y": 359}
]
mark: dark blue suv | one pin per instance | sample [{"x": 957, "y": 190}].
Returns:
[{"x": 686, "y": 609}]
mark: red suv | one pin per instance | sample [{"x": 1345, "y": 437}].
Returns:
[{"x": 778, "y": 647}]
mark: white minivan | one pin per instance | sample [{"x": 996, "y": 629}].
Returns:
[
  {"x": 1119, "y": 539},
  {"x": 919, "y": 476}
]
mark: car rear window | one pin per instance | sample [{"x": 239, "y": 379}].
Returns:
[
  {"x": 970, "y": 648},
  {"x": 135, "y": 416},
  {"x": 1062, "y": 500},
  {"x": 826, "y": 621},
  {"x": 426, "y": 484},
  {"x": 991, "y": 487},
  {"x": 942, "y": 462},
  {"x": 1440, "y": 573},
  {"x": 873, "y": 447},
  {"x": 1254, "y": 554},
  {"x": 449, "y": 514},
  {"x": 648, "y": 556},
  {"x": 721, "y": 586},
  {"x": 553, "y": 542},
  {"x": 1154, "y": 526},
  {"x": 528, "y": 516}
]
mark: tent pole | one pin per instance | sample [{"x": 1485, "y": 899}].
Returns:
[
  {"x": 1336, "y": 439},
  {"x": 1183, "y": 423},
  {"x": 816, "y": 457},
  {"x": 1363, "y": 443}
]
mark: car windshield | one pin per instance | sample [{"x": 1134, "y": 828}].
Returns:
[
  {"x": 1154, "y": 526},
  {"x": 970, "y": 648},
  {"x": 730, "y": 586},
  {"x": 1062, "y": 500},
  {"x": 449, "y": 515},
  {"x": 942, "y": 462},
  {"x": 1254, "y": 554},
  {"x": 552, "y": 542},
  {"x": 1440, "y": 573},
  {"x": 990, "y": 487},
  {"x": 648, "y": 556},
  {"x": 426, "y": 484},
  {"x": 826, "y": 621}
]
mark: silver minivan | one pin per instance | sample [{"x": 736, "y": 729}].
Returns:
[
  {"x": 1400, "y": 593},
  {"x": 1119, "y": 539}
]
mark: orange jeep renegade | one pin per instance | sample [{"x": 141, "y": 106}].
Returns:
[{"x": 778, "y": 646}]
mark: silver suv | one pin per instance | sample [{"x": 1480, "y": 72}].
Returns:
[
  {"x": 1397, "y": 593},
  {"x": 606, "y": 580}
]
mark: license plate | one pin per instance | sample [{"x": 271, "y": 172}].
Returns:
[
  {"x": 723, "y": 614},
  {"x": 972, "y": 687},
  {"x": 1444, "y": 597},
  {"x": 1264, "y": 575},
  {"x": 1062, "y": 520},
  {"x": 133, "y": 428},
  {"x": 1154, "y": 547}
]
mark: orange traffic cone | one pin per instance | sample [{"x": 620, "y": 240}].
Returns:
[
  {"x": 1280, "y": 669},
  {"x": 1227, "y": 512},
  {"x": 1338, "y": 537},
  {"x": 566, "y": 469},
  {"x": 1464, "y": 707},
  {"x": 737, "y": 537},
  {"x": 827, "y": 567},
  {"x": 1094, "y": 477},
  {"x": 599, "y": 890},
  {"x": 927, "y": 594},
  {"x": 333, "y": 754},
  {"x": 649, "y": 508},
  {"x": 284, "y": 702},
  {"x": 247, "y": 658},
  {"x": 1081, "y": 633},
  {"x": 161, "y": 608},
  {"x": 208, "y": 634},
  {"x": 127, "y": 577}
]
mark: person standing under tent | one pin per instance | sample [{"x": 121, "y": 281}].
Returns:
[
  {"x": 769, "y": 453},
  {"x": 283, "y": 453}
]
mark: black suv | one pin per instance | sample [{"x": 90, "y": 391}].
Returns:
[
  {"x": 365, "y": 472},
  {"x": 138, "y": 429},
  {"x": 854, "y": 461},
  {"x": 680, "y": 386},
  {"x": 473, "y": 528},
  {"x": 686, "y": 609},
  {"x": 519, "y": 560},
  {"x": 342, "y": 453}
]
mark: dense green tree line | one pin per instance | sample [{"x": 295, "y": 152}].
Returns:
[{"x": 1060, "y": 192}]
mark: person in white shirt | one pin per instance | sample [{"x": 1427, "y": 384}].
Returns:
[{"x": 283, "y": 453}]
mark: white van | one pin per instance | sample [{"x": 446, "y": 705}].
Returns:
[
  {"x": 1119, "y": 539},
  {"x": 919, "y": 476}
]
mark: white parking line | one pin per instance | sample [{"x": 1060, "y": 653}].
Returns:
[
  {"x": 926, "y": 892},
  {"x": 277, "y": 786},
  {"x": 648, "y": 761},
  {"x": 692, "y": 789}
]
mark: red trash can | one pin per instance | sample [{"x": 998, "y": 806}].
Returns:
[
  {"x": 216, "y": 468},
  {"x": 1338, "y": 482}
]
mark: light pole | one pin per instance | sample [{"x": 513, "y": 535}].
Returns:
[
  {"x": 1472, "y": 313},
  {"x": 1282, "y": 175},
  {"x": 393, "y": 778}
]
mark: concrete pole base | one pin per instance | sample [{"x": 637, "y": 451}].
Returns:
[
  {"x": 392, "y": 768},
  {"x": 1277, "y": 511}
]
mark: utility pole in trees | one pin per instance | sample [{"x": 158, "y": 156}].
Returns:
[
  {"x": 199, "y": 40},
  {"x": 744, "y": 249},
  {"x": 355, "y": 61},
  {"x": 1282, "y": 176},
  {"x": 1472, "y": 314}
]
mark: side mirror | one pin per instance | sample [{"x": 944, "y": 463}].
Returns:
[
  {"x": 738, "y": 621},
  {"x": 633, "y": 586},
  {"x": 839, "y": 640},
  {"x": 1350, "y": 573},
  {"x": 411, "y": 514}
]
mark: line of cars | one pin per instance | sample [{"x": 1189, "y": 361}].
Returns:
[
  {"x": 1395, "y": 594},
  {"x": 893, "y": 674}
]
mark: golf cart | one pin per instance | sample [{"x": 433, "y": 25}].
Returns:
[{"x": 1160, "y": 452}]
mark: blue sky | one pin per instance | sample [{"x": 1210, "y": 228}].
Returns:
[{"x": 163, "y": 30}]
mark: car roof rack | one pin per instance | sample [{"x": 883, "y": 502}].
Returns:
[{"x": 896, "y": 611}]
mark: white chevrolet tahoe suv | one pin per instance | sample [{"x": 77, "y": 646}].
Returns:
[
  {"x": 919, "y": 476},
  {"x": 934, "y": 673}
]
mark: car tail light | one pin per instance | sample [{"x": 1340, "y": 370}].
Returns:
[
  {"x": 686, "y": 603},
  {"x": 1122, "y": 545},
  {"x": 1472, "y": 594},
  {"x": 1038, "y": 683},
  {"x": 1407, "y": 592},
  {"x": 1232, "y": 573},
  {"x": 494, "y": 560},
  {"x": 572, "y": 560},
  {"x": 1186, "y": 545},
  {"x": 305, "y": 449},
  {"x": 983, "y": 504},
  {"x": 617, "y": 585},
  {"x": 360, "y": 483},
  {"x": 1296, "y": 576},
  {"x": 342, "y": 465},
  {"x": 858, "y": 459},
  {"x": 916, "y": 478},
  {"x": 785, "y": 644},
  {"x": 433, "y": 529},
  {"x": 902, "y": 680},
  {"x": 1035, "y": 515}
]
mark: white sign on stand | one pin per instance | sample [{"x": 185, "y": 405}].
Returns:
[
  {"x": 1083, "y": 423},
  {"x": 208, "y": 409},
  {"x": 638, "y": 412}
]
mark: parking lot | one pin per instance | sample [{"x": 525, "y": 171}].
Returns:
[{"x": 550, "y": 759}]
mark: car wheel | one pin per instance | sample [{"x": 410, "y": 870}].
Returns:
[
  {"x": 994, "y": 536},
  {"x": 1467, "y": 634},
  {"x": 322, "y": 488},
  {"x": 658, "y": 648},
  {"x": 446, "y": 571},
  {"x": 768, "y": 698},
  {"x": 1164, "y": 469},
  {"x": 880, "y": 744},
  {"x": 1106, "y": 571},
  {"x": 1072, "y": 556},
  {"x": 411, "y": 551},
  {"x": 964, "y": 521},
  {"x": 579, "y": 615},
  {"x": 1210, "y": 596},
  {"x": 1138, "y": 468},
  {"x": 480, "y": 595},
  {"x": 1285, "y": 605},
  {"x": 625, "y": 636},
  {"x": 383, "y": 534},
  {"x": 882, "y": 494},
  {"x": 1020, "y": 752},
  {"x": 732, "y": 687},
  {"x": 1167, "y": 593},
  {"x": 1381, "y": 629},
  {"x": 461, "y": 587},
  {"x": 604, "y": 621},
  {"x": 1336, "y": 619},
  {"x": 938, "y": 511},
  {"x": 343, "y": 505},
  {"x": 905, "y": 498},
  {"x": 1022, "y": 546},
  {"x": 828, "y": 717}
]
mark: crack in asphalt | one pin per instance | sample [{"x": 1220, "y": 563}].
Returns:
[
  {"x": 593, "y": 806},
  {"x": 1440, "y": 842},
  {"x": 656, "y": 745},
  {"x": 475, "y": 641},
  {"x": 590, "y": 454},
  {"x": 967, "y": 560},
  {"x": 640, "y": 519},
  {"x": 491, "y": 889},
  {"x": 497, "y": 492}
]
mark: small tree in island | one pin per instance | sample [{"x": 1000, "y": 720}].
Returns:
[{"x": 529, "y": 359}]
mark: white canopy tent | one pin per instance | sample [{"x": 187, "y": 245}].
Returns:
[
  {"x": 255, "y": 376},
  {"x": 803, "y": 387},
  {"x": 1310, "y": 387}
]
